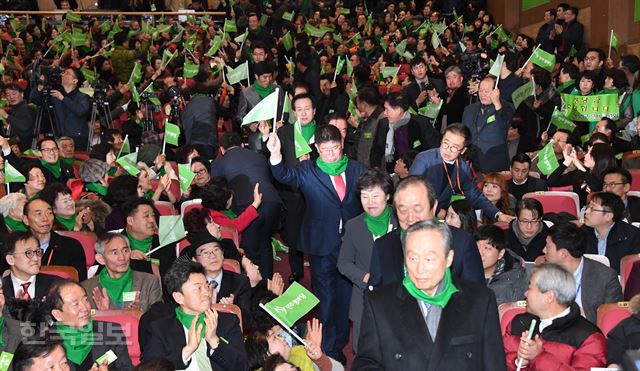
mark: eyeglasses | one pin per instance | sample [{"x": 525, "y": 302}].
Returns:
[
  {"x": 612, "y": 184},
  {"x": 46, "y": 150},
  {"x": 528, "y": 223},
  {"x": 329, "y": 149},
  {"x": 592, "y": 207},
  {"x": 210, "y": 254},
  {"x": 200, "y": 172},
  {"x": 30, "y": 253},
  {"x": 450, "y": 147}
]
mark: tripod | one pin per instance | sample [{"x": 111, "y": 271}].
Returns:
[
  {"x": 98, "y": 104},
  {"x": 45, "y": 108}
]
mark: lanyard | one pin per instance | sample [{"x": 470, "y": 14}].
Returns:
[{"x": 444, "y": 164}]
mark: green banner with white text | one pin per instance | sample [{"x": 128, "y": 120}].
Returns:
[{"x": 591, "y": 107}]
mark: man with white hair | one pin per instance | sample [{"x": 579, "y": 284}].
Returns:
[
  {"x": 12, "y": 209},
  {"x": 561, "y": 338}
]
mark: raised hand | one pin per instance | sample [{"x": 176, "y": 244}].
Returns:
[
  {"x": 101, "y": 298},
  {"x": 194, "y": 338},
  {"x": 211, "y": 321},
  {"x": 276, "y": 284}
]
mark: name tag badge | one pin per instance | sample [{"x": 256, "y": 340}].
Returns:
[
  {"x": 368, "y": 135},
  {"x": 129, "y": 296},
  {"x": 109, "y": 356},
  {"x": 491, "y": 119},
  {"x": 5, "y": 360},
  {"x": 417, "y": 143}
]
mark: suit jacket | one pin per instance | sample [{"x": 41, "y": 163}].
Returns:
[
  {"x": 43, "y": 282},
  {"x": 623, "y": 239},
  {"x": 489, "y": 135},
  {"x": 600, "y": 285},
  {"x": 394, "y": 333},
  {"x": 429, "y": 165},
  {"x": 387, "y": 259},
  {"x": 11, "y": 336},
  {"x": 165, "y": 255},
  {"x": 165, "y": 337},
  {"x": 412, "y": 91},
  {"x": 66, "y": 251},
  {"x": 325, "y": 215},
  {"x": 238, "y": 285},
  {"x": 531, "y": 185},
  {"x": 632, "y": 211},
  {"x": 66, "y": 173},
  {"x": 147, "y": 284},
  {"x": 107, "y": 336}
]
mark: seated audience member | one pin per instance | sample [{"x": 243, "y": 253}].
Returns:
[
  {"x": 198, "y": 220},
  {"x": 95, "y": 176},
  {"x": 199, "y": 166},
  {"x": 67, "y": 217},
  {"x": 230, "y": 287},
  {"x": 260, "y": 287},
  {"x": 22, "y": 253},
  {"x": 562, "y": 338},
  {"x": 67, "y": 150},
  {"x": 117, "y": 286},
  {"x": 617, "y": 180},
  {"x": 193, "y": 332},
  {"x": 145, "y": 189},
  {"x": 120, "y": 190},
  {"x": 605, "y": 232},
  {"x": 504, "y": 273},
  {"x": 625, "y": 336},
  {"x": 84, "y": 339},
  {"x": 460, "y": 214},
  {"x": 36, "y": 180},
  {"x": 141, "y": 229},
  {"x": 526, "y": 235},
  {"x": 40, "y": 353},
  {"x": 57, "y": 249},
  {"x": 596, "y": 283},
  {"x": 494, "y": 188},
  {"x": 521, "y": 182},
  {"x": 54, "y": 170},
  {"x": 12, "y": 208}
]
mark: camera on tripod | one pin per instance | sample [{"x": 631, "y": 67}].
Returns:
[
  {"x": 474, "y": 65},
  {"x": 52, "y": 78},
  {"x": 100, "y": 92},
  {"x": 146, "y": 98}
]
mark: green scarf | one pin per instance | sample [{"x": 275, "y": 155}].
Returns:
[
  {"x": 187, "y": 319},
  {"x": 263, "y": 92},
  {"x": 69, "y": 161},
  {"x": 440, "y": 299},
  {"x": 140, "y": 245},
  {"x": 333, "y": 168},
  {"x": 116, "y": 286},
  {"x": 148, "y": 195},
  {"x": 77, "y": 342},
  {"x": 97, "y": 188},
  {"x": 15, "y": 225},
  {"x": 229, "y": 213},
  {"x": 565, "y": 85},
  {"x": 68, "y": 223},
  {"x": 378, "y": 225},
  {"x": 308, "y": 130},
  {"x": 2, "y": 344},
  {"x": 53, "y": 168}
]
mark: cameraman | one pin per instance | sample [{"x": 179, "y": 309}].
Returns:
[
  {"x": 71, "y": 107},
  {"x": 19, "y": 119},
  {"x": 417, "y": 91}
]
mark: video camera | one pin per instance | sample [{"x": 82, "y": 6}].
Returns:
[
  {"x": 100, "y": 92},
  {"x": 52, "y": 78},
  {"x": 474, "y": 65}
]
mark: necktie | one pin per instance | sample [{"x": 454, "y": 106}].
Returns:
[
  {"x": 341, "y": 188},
  {"x": 25, "y": 292}
]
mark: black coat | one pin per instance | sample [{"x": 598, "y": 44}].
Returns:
[
  {"x": 238, "y": 285},
  {"x": 43, "y": 282},
  {"x": 66, "y": 251},
  {"x": 22, "y": 120},
  {"x": 531, "y": 251},
  {"x": 531, "y": 185},
  {"x": 632, "y": 211},
  {"x": 199, "y": 123},
  {"x": 625, "y": 336},
  {"x": 412, "y": 91},
  {"x": 66, "y": 173},
  {"x": 623, "y": 239}
]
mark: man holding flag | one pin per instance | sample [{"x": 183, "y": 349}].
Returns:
[{"x": 260, "y": 89}]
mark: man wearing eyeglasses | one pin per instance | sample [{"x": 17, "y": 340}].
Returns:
[
  {"x": 605, "y": 231},
  {"x": 526, "y": 235},
  {"x": 617, "y": 180},
  {"x": 25, "y": 281},
  {"x": 451, "y": 176},
  {"x": 54, "y": 170}
]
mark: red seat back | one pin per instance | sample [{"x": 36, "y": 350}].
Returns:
[
  {"x": 63, "y": 271},
  {"x": 555, "y": 202},
  {"x": 635, "y": 179},
  {"x": 128, "y": 319},
  {"x": 609, "y": 315},
  {"x": 626, "y": 266},
  {"x": 87, "y": 240},
  {"x": 507, "y": 311},
  {"x": 165, "y": 208}
]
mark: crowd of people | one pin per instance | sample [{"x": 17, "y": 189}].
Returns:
[{"x": 395, "y": 152}]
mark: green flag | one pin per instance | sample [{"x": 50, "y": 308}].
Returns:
[
  {"x": 287, "y": 41},
  {"x": 185, "y": 176},
  {"x": 105, "y": 27},
  {"x": 292, "y": 305},
  {"x": 354, "y": 39},
  {"x": 189, "y": 70},
  {"x": 288, "y": 16},
  {"x": 353, "y": 111},
  {"x": 502, "y": 36},
  {"x": 215, "y": 45},
  {"x": 463, "y": 47},
  {"x": 391, "y": 71},
  {"x": 73, "y": 17},
  {"x": 349, "y": 67},
  {"x": 136, "y": 73},
  {"x": 78, "y": 37},
  {"x": 128, "y": 163},
  {"x": 543, "y": 59},
  {"x": 338, "y": 38},
  {"x": 135, "y": 96},
  {"x": 11, "y": 175},
  {"x": 167, "y": 56},
  {"x": 126, "y": 147},
  {"x": 439, "y": 27},
  {"x": 561, "y": 121},
  {"x": 339, "y": 65},
  {"x": 242, "y": 37},
  {"x": 300, "y": 144},
  {"x": 314, "y": 31},
  {"x": 613, "y": 40},
  {"x": 497, "y": 66},
  {"x": 170, "y": 229},
  {"x": 591, "y": 107},
  {"x": 89, "y": 75},
  {"x": 401, "y": 47},
  {"x": 178, "y": 37},
  {"x": 263, "y": 20},
  {"x": 520, "y": 94},
  {"x": 435, "y": 41},
  {"x": 171, "y": 133},
  {"x": 547, "y": 161},
  {"x": 204, "y": 22},
  {"x": 265, "y": 110},
  {"x": 229, "y": 26},
  {"x": 238, "y": 74},
  {"x": 345, "y": 11},
  {"x": 431, "y": 110}
]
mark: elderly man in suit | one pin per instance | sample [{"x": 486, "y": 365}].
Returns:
[
  {"x": 329, "y": 187},
  {"x": 117, "y": 285},
  {"x": 596, "y": 284},
  {"x": 430, "y": 321}
]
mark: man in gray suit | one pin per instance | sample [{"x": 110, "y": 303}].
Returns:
[
  {"x": 117, "y": 285},
  {"x": 596, "y": 283}
]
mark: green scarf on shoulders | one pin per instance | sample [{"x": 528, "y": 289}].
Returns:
[
  {"x": 116, "y": 286},
  {"x": 308, "y": 130},
  {"x": 440, "y": 299},
  {"x": 263, "y": 92},
  {"x": 2, "y": 344},
  {"x": 140, "y": 245},
  {"x": 378, "y": 225},
  {"x": 53, "y": 168},
  {"x": 69, "y": 161},
  {"x": 333, "y": 168},
  {"x": 148, "y": 195},
  {"x": 229, "y": 213},
  {"x": 68, "y": 223},
  {"x": 77, "y": 342},
  {"x": 565, "y": 85},
  {"x": 187, "y": 319},
  {"x": 15, "y": 225},
  {"x": 96, "y": 188}
]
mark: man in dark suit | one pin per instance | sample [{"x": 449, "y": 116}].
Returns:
[
  {"x": 329, "y": 188},
  {"x": 421, "y": 86},
  {"x": 22, "y": 253},
  {"x": 521, "y": 182},
  {"x": 618, "y": 180},
  {"x": 172, "y": 334},
  {"x": 430, "y": 321},
  {"x": 57, "y": 249},
  {"x": 596, "y": 283},
  {"x": 489, "y": 120},
  {"x": 242, "y": 163},
  {"x": 415, "y": 201},
  {"x": 456, "y": 98},
  {"x": 605, "y": 231}
]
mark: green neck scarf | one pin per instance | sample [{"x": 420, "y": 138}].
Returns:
[
  {"x": 116, "y": 286},
  {"x": 229, "y": 213},
  {"x": 333, "y": 168},
  {"x": 68, "y": 223},
  {"x": 379, "y": 225},
  {"x": 565, "y": 85},
  {"x": 2, "y": 344},
  {"x": 263, "y": 92},
  {"x": 187, "y": 319},
  {"x": 15, "y": 225},
  {"x": 148, "y": 195},
  {"x": 140, "y": 245},
  {"x": 77, "y": 342},
  {"x": 97, "y": 188},
  {"x": 69, "y": 161},
  {"x": 53, "y": 168},
  {"x": 440, "y": 299},
  {"x": 308, "y": 130},
  {"x": 608, "y": 91}
]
